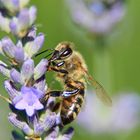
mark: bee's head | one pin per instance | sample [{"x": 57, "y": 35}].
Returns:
[{"x": 64, "y": 49}]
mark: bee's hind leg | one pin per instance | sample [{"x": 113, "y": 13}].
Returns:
[{"x": 65, "y": 93}]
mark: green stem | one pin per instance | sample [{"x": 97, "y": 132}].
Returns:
[{"x": 102, "y": 66}]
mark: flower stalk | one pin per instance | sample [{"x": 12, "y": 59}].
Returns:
[{"x": 26, "y": 83}]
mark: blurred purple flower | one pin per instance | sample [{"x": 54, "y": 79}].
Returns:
[
  {"x": 29, "y": 100},
  {"x": 13, "y": 6},
  {"x": 123, "y": 115},
  {"x": 97, "y": 17},
  {"x": 19, "y": 25},
  {"x": 10, "y": 8}
]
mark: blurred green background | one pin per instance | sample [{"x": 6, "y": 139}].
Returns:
[{"x": 116, "y": 65}]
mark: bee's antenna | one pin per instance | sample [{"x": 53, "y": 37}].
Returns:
[
  {"x": 48, "y": 55},
  {"x": 44, "y": 52}
]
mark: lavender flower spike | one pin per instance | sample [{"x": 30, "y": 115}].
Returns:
[
  {"x": 14, "y": 5},
  {"x": 40, "y": 69},
  {"x": 31, "y": 104},
  {"x": 27, "y": 70},
  {"x": 19, "y": 25},
  {"x": 97, "y": 16},
  {"x": 20, "y": 124},
  {"x": 32, "y": 47},
  {"x": 29, "y": 101},
  {"x": 15, "y": 53}
]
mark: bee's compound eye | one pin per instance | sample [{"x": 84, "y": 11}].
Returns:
[{"x": 66, "y": 53}]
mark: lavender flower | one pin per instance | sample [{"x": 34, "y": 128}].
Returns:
[
  {"x": 122, "y": 116},
  {"x": 28, "y": 72},
  {"x": 31, "y": 105},
  {"x": 13, "y": 6},
  {"x": 19, "y": 25},
  {"x": 29, "y": 100},
  {"x": 97, "y": 17},
  {"x": 15, "y": 17},
  {"x": 18, "y": 53}
]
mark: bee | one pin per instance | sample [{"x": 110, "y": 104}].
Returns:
[{"x": 72, "y": 72}]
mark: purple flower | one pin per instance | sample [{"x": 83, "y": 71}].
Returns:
[
  {"x": 28, "y": 72},
  {"x": 19, "y": 25},
  {"x": 122, "y": 116},
  {"x": 13, "y": 118},
  {"x": 97, "y": 17},
  {"x": 12, "y": 51},
  {"x": 29, "y": 100},
  {"x": 33, "y": 46},
  {"x": 20, "y": 52},
  {"x": 14, "y": 5}
]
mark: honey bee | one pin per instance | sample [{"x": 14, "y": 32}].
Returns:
[{"x": 72, "y": 71}]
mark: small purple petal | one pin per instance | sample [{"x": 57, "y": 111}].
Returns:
[
  {"x": 39, "y": 40},
  {"x": 32, "y": 14},
  {"x": 23, "y": 19},
  {"x": 21, "y": 105},
  {"x": 19, "y": 124},
  {"x": 30, "y": 111},
  {"x": 34, "y": 46},
  {"x": 15, "y": 76},
  {"x": 19, "y": 53},
  {"x": 27, "y": 70},
  {"x": 25, "y": 90},
  {"x": 40, "y": 69},
  {"x": 8, "y": 47},
  {"x": 13, "y": 26},
  {"x": 11, "y": 90},
  {"x": 38, "y": 105},
  {"x": 15, "y": 2},
  {"x": 30, "y": 100},
  {"x": 37, "y": 92}
]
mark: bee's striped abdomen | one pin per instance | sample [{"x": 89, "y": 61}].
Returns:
[{"x": 71, "y": 107}]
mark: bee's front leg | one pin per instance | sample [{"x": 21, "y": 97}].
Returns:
[{"x": 56, "y": 69}]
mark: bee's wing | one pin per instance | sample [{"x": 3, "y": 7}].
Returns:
[
  {"x": 101, "y": 94},
  {"x": 100, "y": 91}
]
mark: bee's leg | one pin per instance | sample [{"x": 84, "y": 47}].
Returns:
[
  {"x": 57, "y": 70},
  {"x": 59, "y": 64},
  {"x": 55, "y": 93},
  {"x": 75, "y": 84},
  {"x": 69, "y": 93},
  {"x": 65, "y": 94}
]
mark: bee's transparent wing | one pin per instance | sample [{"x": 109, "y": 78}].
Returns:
[
  {"x": 100, "y": 91},
  {"x": 101, "y": 94}
]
